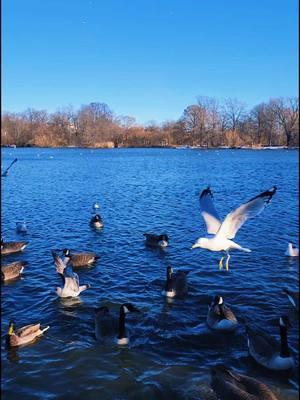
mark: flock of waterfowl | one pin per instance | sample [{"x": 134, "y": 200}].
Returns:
[{"x": 228, "y": 385}]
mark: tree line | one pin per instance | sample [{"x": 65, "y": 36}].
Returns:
[{"x": 207, "y": 123}]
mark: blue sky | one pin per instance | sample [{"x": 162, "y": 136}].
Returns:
[{"x": 147, "y": 59}]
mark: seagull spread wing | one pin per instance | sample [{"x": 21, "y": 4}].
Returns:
[
  {"x": 238, "y": 217},
  {"x": 208, "y": 212}
]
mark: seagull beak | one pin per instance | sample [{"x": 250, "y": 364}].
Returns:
[{"x": 195, "y": 246}]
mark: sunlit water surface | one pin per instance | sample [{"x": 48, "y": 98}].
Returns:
[{"x": 144, "y": 190}]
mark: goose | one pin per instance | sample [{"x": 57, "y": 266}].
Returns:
[
  {"x": 21, "y": 227},
  {"x": 12, "y": 247},
  {"x": 96, "y": 221},
  {"x": 5, "y": 173},
  {"x": 267, "y": 351},
  {"x": 220, "y": 317},
  {"x": 24, "y": 335},
  {"x": 80, "y": 259},
  {"x": 176, "y": 284},
  {"x": 70, "y": 280},
  {"x": 229, "y": 385},
  {"x": 219, "y": 234},
  {"x": 12, "y": 270},
  {"x": 110, "y": 326},
  {"x": 156, "y": 240},
  {"x": 292, "y": 251},
  {"x": 293, "y": 297}
]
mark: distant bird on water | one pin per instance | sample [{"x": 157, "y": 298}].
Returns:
[
  {"x": 292, "y": 251},
  {"x": 21, "y": 227},
  {"x": 220, "y": 233},
  {"x": 12, "y": 247},
  {"x": 293, "y": 297},
  {"x": 156, "y": 240},
  {"x": 96, "y": 205},
  {"x": 96, "y": 221},
  {"x": 229, "y": 385}
]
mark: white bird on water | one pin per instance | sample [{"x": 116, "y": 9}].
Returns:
[{"x": 220, "y": 233}]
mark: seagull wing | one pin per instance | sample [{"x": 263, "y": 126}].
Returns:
[
  {"x": 238, "y": 217},
  {"x": 208, "y": 212}
]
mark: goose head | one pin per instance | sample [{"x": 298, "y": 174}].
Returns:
[
  {"x": 163, "y": 240},
  {"x": 66, "y": 252},
  {"x": 169, "y": 290},
  {"x": 218, "y": 300},
  {"x": 128, "y": 308}
]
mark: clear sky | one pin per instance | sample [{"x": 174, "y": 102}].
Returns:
[{"x": 146, "y": 58}]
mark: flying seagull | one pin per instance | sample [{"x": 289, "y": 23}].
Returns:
[{"x": 220, "y": 233}]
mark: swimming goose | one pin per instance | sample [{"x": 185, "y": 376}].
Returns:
[
  {"x": 292, "y": 251},
  {"x": 229, "y": 385},
  {"x": 24, "y": 335},
  {"x": 96, "y": 221},
  {"x": 219, "y": 234},
  {"x": 110, "y": 326},
  {"x": 156, "y": 240},
  {"x": 80, "y": 259},
  {"x": 293, "y": 297},
  {"x": 70, "y": 280},
  {"x": 12, "y": 247},
  {"x": 12, "y": 270},
  {"x": 267, "y": 351},
  {"x": 220, "y": 317},
  {"x": 21, "y": 227},
  {"x": 176, "y": 284}
]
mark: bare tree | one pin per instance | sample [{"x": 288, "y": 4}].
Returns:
[{"x": 286, "y": 110}]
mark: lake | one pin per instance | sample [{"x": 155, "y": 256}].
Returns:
[{"x": 171, "y": 349}]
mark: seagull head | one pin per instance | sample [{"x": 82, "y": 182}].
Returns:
[{"x": 202, "y": 242}]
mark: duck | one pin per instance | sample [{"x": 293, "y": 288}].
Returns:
[
  {"x": 96, "y": 221},
  {"x": 293, "y": 297},
  {"x": 109, "y": 326},
  {"x": 291, "y": 251},
  {"x": 12, "y": 247},
  {"x": 267, "y": 351},
  {"x": 12, "y": 270},
  {"x": 229, "y": 385},
  {"x": 80, "y": 259},
  {"x": 220, "y": 317},
  {"x": 21, "y": 227},
  {"x": 70, "y": 279},
  {"x": 176, "y": 283},
  {"x": 24, "y": 335},
  {"x": 156, "y": 240}
]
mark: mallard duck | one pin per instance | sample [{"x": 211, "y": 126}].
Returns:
[
  {"x": 24, "y": 335},
  {"x": 96, "y": 221},
  {"x": 220, "y": 317},
  {"x": 156, "y": 240},
  {"x": 229, "y": 385},
  {"x": 12, "y": 270},
  {"x": 80, "y": 259},
  {"x": 176, "y": 284},
  {"x": 293, "y": 297},
  {"x": 292, "y": 251},
  {"x": 267, "y": 351},
  {"x": 12, "y": 247},
  {"x": 109, "y": 326}
]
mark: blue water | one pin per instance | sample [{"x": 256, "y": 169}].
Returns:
[{"x": 144, "y": 190}]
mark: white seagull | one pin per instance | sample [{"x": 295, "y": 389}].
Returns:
[{"x": 220, "y": 233}]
